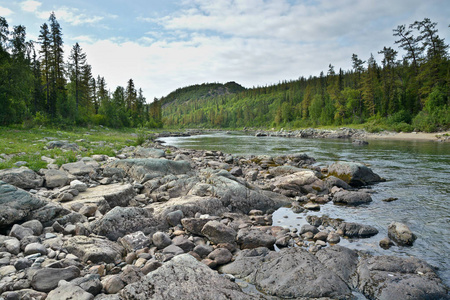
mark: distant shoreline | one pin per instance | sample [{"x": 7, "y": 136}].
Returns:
[{"x": 410, "y": 136}]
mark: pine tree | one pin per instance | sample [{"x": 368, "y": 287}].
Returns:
[{"x": 77, "y": 61}]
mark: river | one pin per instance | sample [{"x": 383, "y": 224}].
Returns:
[{"x": 416, "y": 172}]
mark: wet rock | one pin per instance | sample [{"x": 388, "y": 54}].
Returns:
[
  {"x": 47, "y": 279},
  {"x": 23, "y": 178},
  {"x": 355, "y": 174},
  {"x": 351, "y": 198},
  {"x": 333, "y": 238},
  {"x": 308, "y": 228},
  {"x": 217, "y": 232},
  {"x": 389, "y": 277},
  {"x": 184, "y": 278},
  {"x": 249, "y": 238},
  {"x": 357, "y": 230},
  {"x": 124, "y": 220},
  {"x": 386, "y": 243},
  {"x": 332, "y": 181},
  {"x": 16, "y": 204},
  {"x": 401, "y": 234},
  {"x": 94, "y": 249}
]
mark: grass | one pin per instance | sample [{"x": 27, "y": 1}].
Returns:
[{"x": 17, "y": 144}]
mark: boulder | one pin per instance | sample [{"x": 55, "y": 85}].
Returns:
[
  {"x": 23, "y": 178},
  {"x": 78, "y": 168},
  {"x": 67, "y": 290},
  {"x": 55, "y": 212},
  {"x": 249, "y": 238},
  {"x": 195, "y": 225},
  {"x": 135, "y": 241},
  {"x": 34, "y": 225},
  {"x": 401, "y": 234},
  {"x": 46, "y": 279},
  {"x": 353, "y": 173},
  {"x": 351, "y": 198},
  {"x": 184, "y": 278},
  {"x": 78, "y": 185},
  {"x": 120, "y": 221},
  {"x": 108, "y": 196},
  {"x": 357, "y": 230},
  {"x": 341, "y": 260},
  {"x": 218, "y": 232},
  {"x": 144, "y": 169},
  {"x": 94, "y": 249},
  {"x": 55, "y": 178},
  {"x": 390, "y": 277},
  {"x": 16, "y": 204},
  {"x": 302, "y": 182},
  {"x": 161, "y": 239},
  {"x": 20, "y": 232},
  {"x": 221, "y": 256},
  {"x": 143, "y": 152}
]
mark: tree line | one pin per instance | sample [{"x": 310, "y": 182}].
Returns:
[
  {"x": 38, "y": 87},
  {"x": 407, "y": 93}
]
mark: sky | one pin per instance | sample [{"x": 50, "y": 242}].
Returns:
[{"x": 167, "y": 44}]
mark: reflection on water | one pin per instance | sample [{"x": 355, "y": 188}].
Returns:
[{"x": 416, "y": 172}]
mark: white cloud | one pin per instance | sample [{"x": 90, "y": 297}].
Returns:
[
  {"x": 73, "y": 16},
  {"x": 5, "y": 12},
  {"x": 30, "y": 5}
]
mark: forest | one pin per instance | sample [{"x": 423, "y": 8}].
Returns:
[
  {"x": 37, "y": 87},
  {"x": 405, "y": 93}
]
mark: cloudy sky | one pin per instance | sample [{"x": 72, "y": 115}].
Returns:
[{"x": 167, "y": 44}]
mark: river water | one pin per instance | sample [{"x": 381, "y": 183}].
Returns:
[{"x": 416, "y": 172}]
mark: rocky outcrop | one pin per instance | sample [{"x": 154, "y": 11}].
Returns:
[
  {"x": 23, "y": 178},
  {"x": 401, "y": 234}
]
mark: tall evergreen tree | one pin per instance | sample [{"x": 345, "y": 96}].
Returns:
[{"x": 77, "y": 61}]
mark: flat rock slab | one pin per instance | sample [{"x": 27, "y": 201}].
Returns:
[
  {"x": 184, "y": 278},
  {"x": 114, "y": 194},
  {"x": 77, "y": 168},
  {"x": 94, "y": 249}
]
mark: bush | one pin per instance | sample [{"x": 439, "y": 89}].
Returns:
[{"x": 436, "y": 120}]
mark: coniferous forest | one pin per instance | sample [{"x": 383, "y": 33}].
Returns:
[
  {"x": 403, "y": 93},
  {"x": 37, "y": 87},
  {"x": 408, "y": 90}
]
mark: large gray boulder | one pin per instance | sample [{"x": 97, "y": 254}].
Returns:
[
  {"x": 289, "y": 273},
  {"x": 249, "y": 238},
  {"x": 47, "y": 279},
  {"x": 55, "y": 178},
  {"x": 16, "y": 204},
  {"x": 23, "y": 178},
  {"x": 94, "y": 249},
  {"x": 66, "y": 290},
  {"x": 355, "y": 174},
  {"x": 55, "y": 212},
  {"x": 144, "y": 169},
  {"x": 351, "y": 198},
  {"x": 78, "y": 168},
  {"x": 120, "y": 221},
  {"x": 389, "y": 277},
  {"x": 401, "y": 234},
  {"x": 303, "y": 182},
  {"x": 184, "y": 278},
  {"x": 351, "y": 229},
  {"x": 218, "y": 232}
]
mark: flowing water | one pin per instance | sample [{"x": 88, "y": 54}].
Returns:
[{"x": 416, "y": 172}]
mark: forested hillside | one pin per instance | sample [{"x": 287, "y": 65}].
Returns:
[
  {"x": 38, "y": 87},
  {"x": 400, "y": 93}
]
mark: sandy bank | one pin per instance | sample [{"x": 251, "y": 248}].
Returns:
[{"x": 420, "y": 136}]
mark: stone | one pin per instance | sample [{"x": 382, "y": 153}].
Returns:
[
  {"x": 172, "y": 250},
  {"x": 320, "y": 236},
  {"x": 124, "y": 220},
  {"x": 112, "y": 284},
  {"x": 302, "y": 182},
  {"x": 203, "y": 250},
  {"x": 161, "y": 240},
  {"x": 333, "y": 181},
  {"x": 69, "y": 291},
  {"x": 142, "y": 152},
  {"x": 7, "y": 270},
  {"x": 78, "y": 185},
  {"x": 16, "y": 204},
  {"x": 12, "y": 245},
  {"x": 34, "y": 225},
  {"x": 46, "y": 279},
  {"x": 78, "y": 168},
  {"x": 35, "y": 248},
  {"x": 390, "y": 277},
  {"x": 23, "y": 178},
  {"x": 217, "y": 232},
  {"x": 249, "y": 238},
  {"x": 22, "y": 263},
  {"x": 174, "y": 217},
  {"x": 386, "y": 243},
  {"x": 135, "y": 241},
  {"x": 55, "y": 178},
  {"x": 308, "y": 228},
  {"x": 355, "y": 174},
  {"x": 183, "y": 243},
  {"x": 221, "y": 256},
  {"x": 195, "y": 225},
  {"x": 94, "y": 249},
  {"x": 333, "y": 238},
  {"x": 351, "y": 198},
  {"x": 401, "y": 234},
  {"x": 357, "y": 230},
  {"x": 20, "y": 232},
  {"x": 184, "y": 278},
  {"x": 55, "y": 212}
]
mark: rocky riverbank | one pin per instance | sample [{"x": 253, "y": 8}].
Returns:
[{"x": 158, "y": 222}]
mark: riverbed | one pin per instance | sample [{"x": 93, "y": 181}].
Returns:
[{"x": 416, "y": 172}]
